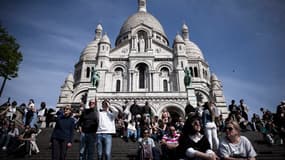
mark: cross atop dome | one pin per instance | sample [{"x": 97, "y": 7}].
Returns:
[{"x": 142, "y": 5}]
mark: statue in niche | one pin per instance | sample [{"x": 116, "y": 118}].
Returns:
[
  {"x": 95, "y": 77},
  {"x": 141, "y": 44},
  {"x": 187, "y": 77}
]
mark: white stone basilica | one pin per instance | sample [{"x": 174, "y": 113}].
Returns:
[{"x": 143, "y": 67}]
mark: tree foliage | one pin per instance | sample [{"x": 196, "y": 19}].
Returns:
[{"x": 10, "y": 56}]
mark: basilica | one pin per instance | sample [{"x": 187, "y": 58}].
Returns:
[{"x": 142, "y": 66}]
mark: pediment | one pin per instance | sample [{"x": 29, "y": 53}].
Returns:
[
  {"x": 161, "y": 50},
  {"x": 121, "y": 51}
]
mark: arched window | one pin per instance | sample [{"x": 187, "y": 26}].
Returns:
[
  {"x": 165, "y": 85},
  {"x": 87, "y": 72},
  {"x": 119, "y": 71},
  {"x": 195, "y": 72},
  {"x": 164, "y": 72},
  {"x": 182, "y": 64},
  {"x": 101, "y": 64},
  {"x": 118, "y": 86},
  {"x": 142, "y": 75}
]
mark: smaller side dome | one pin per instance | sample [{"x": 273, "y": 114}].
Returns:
[
  {"x": 178, "y": 39},
  {"x": 214, "y": 77},
  {"x": 184, "y": 27},
  {"x": 193, "y": 50},
  {"x": 105, "y": 39},
  {"x": 68, "y": 83},
  {"x": 99, "y": 27},
  {"x": 70, "y": 78},
  {"x": 90, "y": 51}
]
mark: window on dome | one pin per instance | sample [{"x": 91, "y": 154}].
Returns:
[
  {"x": 191, "y": 69},
  {"x": 195, "y": 72},
  {"x": 87, "y": 72},
  {"x": 126, "y": 37}
]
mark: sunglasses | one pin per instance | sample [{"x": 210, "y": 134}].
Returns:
[
  {"x": 196, "y": 123},
  {"x": 229, "y": 128}
]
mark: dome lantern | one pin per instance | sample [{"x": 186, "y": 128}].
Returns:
[{"x": 142, "y": 5}]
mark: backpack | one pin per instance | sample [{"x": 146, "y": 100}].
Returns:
[{"x": 147, "y": 151}]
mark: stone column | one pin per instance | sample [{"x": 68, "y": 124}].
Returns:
[
  {"x": 149, "y": 41},
  {"x": 133, "y": 48},
  {"x": 191, "y": 97},
  {"x": 131, "y": 81}
]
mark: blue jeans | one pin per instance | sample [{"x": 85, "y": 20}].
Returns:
[
  {"x": 87, "y": 146},
  {"x": 104, "y": 141},
  {"x": 132, "y": 133},
  {"x": 82, "y": 146}
]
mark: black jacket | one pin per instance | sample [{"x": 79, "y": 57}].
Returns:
[{"x": 89, "y": 121}]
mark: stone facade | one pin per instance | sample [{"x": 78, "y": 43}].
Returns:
[{"x": 144, "y": 67}]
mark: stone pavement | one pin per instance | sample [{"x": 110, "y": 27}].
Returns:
[{"x": 126, "y": 151}]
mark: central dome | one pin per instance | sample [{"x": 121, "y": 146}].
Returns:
[{"x": 142, "y": 18}]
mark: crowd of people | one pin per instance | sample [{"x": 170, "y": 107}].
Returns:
[
  {"x": 195, "y": 136},
  {"x": 18, "y": 133}
]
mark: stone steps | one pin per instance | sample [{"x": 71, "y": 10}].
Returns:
[{"x": 122, "y": 150}]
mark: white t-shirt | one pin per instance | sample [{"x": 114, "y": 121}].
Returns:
[
  {"x": 107, "y": 121},
  {"x": 243, "y": 149},
  {"x": 14, "y": 133},
  {"x": 41, "y": 112}
]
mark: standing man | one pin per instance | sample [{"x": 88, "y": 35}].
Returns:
[
  {"x": 106, "y": 128},
  {"x": 88, "y": 125},
  {"x": 62, "y": 135}
]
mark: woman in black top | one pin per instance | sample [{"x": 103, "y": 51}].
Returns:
[{"x": 193, "y": 144}]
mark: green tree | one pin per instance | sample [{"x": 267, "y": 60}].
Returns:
[{"x": 10, "y": 57}]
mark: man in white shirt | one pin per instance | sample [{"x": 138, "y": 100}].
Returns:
[{"x": 106, "y": 128}]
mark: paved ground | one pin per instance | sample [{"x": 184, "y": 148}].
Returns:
[{"x": 126, "y": 151}]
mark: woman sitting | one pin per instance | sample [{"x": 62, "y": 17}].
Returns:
[
  {"x": 234, "y": 146},
  {"x": 193, "y": 144}
]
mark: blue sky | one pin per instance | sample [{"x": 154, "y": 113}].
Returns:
[{"x": 243, "y": 41}]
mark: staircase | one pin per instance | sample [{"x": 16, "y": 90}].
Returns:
[{"x": 122, "y": 150}]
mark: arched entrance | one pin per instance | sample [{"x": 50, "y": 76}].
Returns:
[{"x": 175, "y": 112}]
